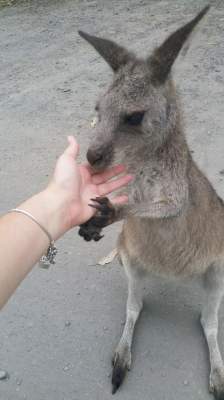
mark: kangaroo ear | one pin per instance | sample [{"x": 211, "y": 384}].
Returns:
[
  {"x": 164, "y": 56},
  {"x": 113, "y": 54}
]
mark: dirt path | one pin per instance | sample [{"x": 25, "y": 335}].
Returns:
[{"x": 58, "y": 332}]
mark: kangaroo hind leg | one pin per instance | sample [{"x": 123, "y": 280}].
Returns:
[
  {"x": 122, "y": 355},
  {"x": 214, "y": 284}
]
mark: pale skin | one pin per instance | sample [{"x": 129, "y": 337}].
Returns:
[{"x": 61, "y": 206}]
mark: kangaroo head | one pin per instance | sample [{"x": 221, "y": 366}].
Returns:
[{"x": 139, "y": 108}]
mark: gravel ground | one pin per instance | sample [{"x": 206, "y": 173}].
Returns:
[{"x": 60, "y": 328}]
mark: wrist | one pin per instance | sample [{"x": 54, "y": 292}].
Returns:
[{"x": 51, "y": 208}]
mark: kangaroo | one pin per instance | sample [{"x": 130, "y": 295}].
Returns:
[{"x": 174, "y": 221}]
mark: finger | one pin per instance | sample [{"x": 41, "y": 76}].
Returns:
[
  {"x": 108, "y": 174},
  {"x": 106, "y": 188},
  {"x": 120, "y": 199},
  {"x": 73, "y": 147}
]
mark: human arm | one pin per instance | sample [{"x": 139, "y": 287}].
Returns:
[{"x": 62, "y": 205}]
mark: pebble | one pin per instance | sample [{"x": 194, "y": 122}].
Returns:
[
  {"x": 19, "y": 381},
  {"x": 68, "y": 323},
  {"x": 4, "y": 375},
  {"x": 64, "y": 90},
  {"x": 66, "y": 368},
  {"x": 186, "y": 383}
]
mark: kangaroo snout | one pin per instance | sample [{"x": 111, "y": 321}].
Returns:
[
  {"x": 94, "y": 156},
  {"x": 99, "y": 157}
]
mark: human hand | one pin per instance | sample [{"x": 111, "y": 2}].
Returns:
[{"x": 74, "y": 185}]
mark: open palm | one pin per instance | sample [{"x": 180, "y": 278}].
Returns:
[{"x": 81, "y": 184}]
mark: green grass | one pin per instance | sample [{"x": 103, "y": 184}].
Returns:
[{"x": 4, "y": 3}]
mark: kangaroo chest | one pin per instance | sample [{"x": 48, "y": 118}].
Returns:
[{"x": 174, "y": 246}]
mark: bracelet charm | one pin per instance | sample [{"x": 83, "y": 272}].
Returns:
[{"x": 49, "y": 258}]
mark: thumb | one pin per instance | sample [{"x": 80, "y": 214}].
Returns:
[{"x": 73, "y": 148}]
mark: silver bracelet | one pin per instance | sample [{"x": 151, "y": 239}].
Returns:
[{"x": 49, "y": 258}]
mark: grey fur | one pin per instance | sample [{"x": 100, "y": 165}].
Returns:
[{"x": 174, "y": 222}]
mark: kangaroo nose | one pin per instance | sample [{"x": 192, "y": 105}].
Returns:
[{"x": 94, "y": 157}]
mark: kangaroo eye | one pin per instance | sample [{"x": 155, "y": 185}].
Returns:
[{"x": 135, "y": 118}]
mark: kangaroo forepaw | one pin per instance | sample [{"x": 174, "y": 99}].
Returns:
[
  {"x": 104, "y": 216},
  {"x": 90, "y": 232},
  {"x": 105, "y": 211}
]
